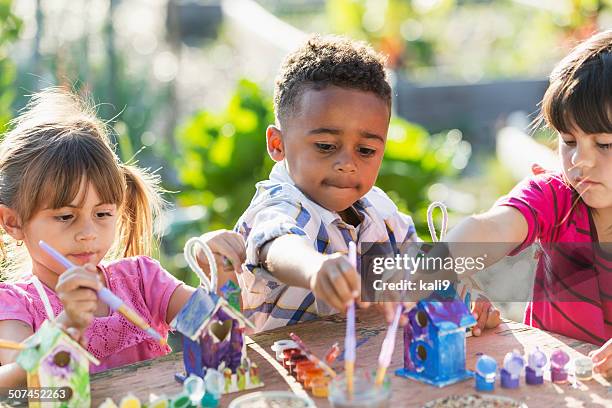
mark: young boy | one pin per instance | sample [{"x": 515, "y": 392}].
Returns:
[{"x": 332, "y": 104}]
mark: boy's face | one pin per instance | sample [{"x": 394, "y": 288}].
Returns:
[
  {"x": 587, "y": 164},
  {"x": 333, "y": 144}
]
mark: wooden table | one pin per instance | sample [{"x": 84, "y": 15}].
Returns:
[{"x": 157, "y": 376}]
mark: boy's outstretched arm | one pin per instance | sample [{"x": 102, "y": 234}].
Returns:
[{"x": 294, "y": 262}]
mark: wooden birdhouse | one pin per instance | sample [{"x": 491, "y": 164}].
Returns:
[
  {"x": 434, "y": 341},
  {"x": 55, "y": 362},
  {"x": 213, "y": 330}
]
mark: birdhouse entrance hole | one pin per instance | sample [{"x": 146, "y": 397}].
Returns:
[
  {"x": 221, "y": 330},
  {"x": 421, "y": 318},
  {"x": 421, "y": 352},
  {"x": 61, "y": 358}
]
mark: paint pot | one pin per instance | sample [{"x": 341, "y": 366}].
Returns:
[
  {"x": 534, "y": 373},
  {"x": 486, "y": 371},
  {"x": 365, "y": 392},
  {"x": 181, "y": 401},
  {"x": 287, "y": 354},
  {"x": 583, "y": 368},
  {"x": 293, "y": 362},
  {"x": 281, "y": 345},
  {"x": 194, "y": 388},
  {"x": 302, "y": 366},
  {"x": 319, "y": 387},
  {"x": 513, "y": 367},
  {"x": 558, "y": 363},
  {"x": 310, "y": 375}
]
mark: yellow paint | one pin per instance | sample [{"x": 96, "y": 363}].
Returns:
[
  {"x": 130, "y": 401},
  {"x": 380, "y": 375},
  {"x": 133, "y": 317},
  {"x": 349, "y": 367},
  {"x": 7, "y": 344}
]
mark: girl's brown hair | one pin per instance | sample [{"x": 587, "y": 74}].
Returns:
[
  {"x": 580, "y": 90},
  {"x": 57, "y": 143}
]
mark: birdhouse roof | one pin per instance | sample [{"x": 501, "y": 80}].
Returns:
[
  {"x": 43, "y": 341},
  {"x": 447, "y": 314},
  {"x": 198, "y": 311}
]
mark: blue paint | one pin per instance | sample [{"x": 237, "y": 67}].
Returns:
[{"x": 486, "y": 370}]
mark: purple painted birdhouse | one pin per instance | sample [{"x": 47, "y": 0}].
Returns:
[
  {"x": 434, "y": 342},
  {"x": 213, "y": 331}
]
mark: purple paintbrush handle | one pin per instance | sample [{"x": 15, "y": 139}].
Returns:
[{"x": 110, "y": 298}]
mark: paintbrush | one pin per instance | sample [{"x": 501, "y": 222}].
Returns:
[
  {"x": 350, "y": 342},
  {"x": 109, "y": 298},
  {"x": 386, "y": 350},
  {"x": 7, "y": 344}
]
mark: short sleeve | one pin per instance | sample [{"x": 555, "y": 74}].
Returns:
[
  {"x": 540, "y": 199},
  {"x": 278, "y": 219},
  {"x": 158, "y": 285},
  {"x": 14, "y": 304}
]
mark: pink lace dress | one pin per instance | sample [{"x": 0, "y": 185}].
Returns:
[{"x": 139, "y": 281}]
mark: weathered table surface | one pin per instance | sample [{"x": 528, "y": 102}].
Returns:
[{"x": 157, "y": 376}]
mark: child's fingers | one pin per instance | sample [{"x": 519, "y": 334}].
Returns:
[
  {"x": 480, "y": 314},
  {"x": 602, "y": 353},
  {"x": 494, "y": 318},
  {"x": 81, "y": 313},
  {"x": 82, "y": 295},
  {"x": 351, "y": 276},
  {"x": 77, "y": 277},
  {"x": 338, "y": 281},
  {"x": 363, "y": 305},
  {"x": 329, "y": 295},
  {"x": 604, "y": 366},
  {"x": 236, "y": 242}
]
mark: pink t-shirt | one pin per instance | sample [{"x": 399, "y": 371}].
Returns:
[
  {"x": 140, "y": 282},
  {"x": 572, "y": 292}
]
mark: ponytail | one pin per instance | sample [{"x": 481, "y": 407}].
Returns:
[{"x": 142, "y": 206}]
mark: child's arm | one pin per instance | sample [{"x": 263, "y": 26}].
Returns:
[
  {"x": 179, "y": 297},
  {"x": 331, "y": 278},
  {"x": 501, "y": 224},
  {"x": 505, "y": 226},
  {"x": 11, "y": 374}
]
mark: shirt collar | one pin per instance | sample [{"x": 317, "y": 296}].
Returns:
[{"x": 279, "y": 174}]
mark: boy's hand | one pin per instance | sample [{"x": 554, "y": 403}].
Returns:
[
  {"x": 602, "y": 359},
  {"x": 77, "y": 288},
  {"x": 224, "y": 244},
  {"x": 486, "y": 314},
  {"x": 336, "y": 281}
]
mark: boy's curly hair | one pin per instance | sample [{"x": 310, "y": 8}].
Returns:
[{"x": 327, "y": 61}]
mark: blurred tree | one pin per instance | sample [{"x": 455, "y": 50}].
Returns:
[
  {"x": 468, "y": 39},
  {"x": 10, "y": 26}
]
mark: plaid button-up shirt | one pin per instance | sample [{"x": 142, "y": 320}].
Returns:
[{"x": 280, "y": 208}]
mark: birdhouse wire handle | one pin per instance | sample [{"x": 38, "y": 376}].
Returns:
[
  {"x": 190, "y": 256},
  {"x": 430, "y": 223}
]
